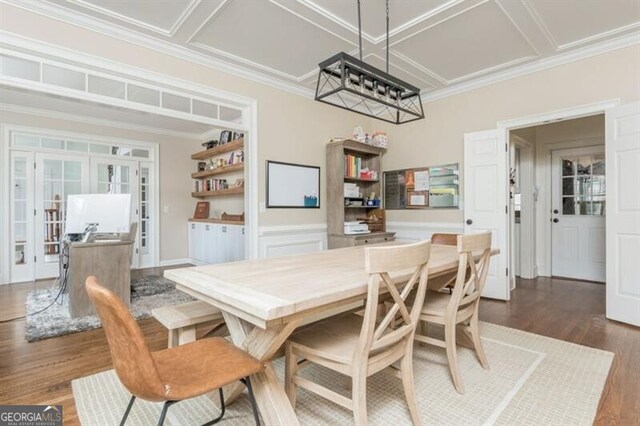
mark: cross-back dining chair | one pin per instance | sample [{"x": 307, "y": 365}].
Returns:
[
  {"x": 173, "y": 374},
  {"x": 461, "y": 305},
  {"x": 359, "y": 346}
]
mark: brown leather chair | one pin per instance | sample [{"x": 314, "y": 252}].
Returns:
[
  {"x": 445, "y": 239},
  {"x": 173, "y": 374}
]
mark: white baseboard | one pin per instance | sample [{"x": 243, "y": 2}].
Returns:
[
  {"x": 274, "y": 241},
  {"x": 420, "y": 231},
  {"x": 173, "y": 262}
]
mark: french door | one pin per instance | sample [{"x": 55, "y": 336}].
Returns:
[
  {"x": 578, "y": 213},
  {"x": 115, "y": 176},
  {"x": 56, "y": 177}
]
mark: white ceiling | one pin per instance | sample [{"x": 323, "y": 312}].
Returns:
[{"x": 435, "y": 44}]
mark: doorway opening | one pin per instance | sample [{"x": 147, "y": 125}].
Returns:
[{"x": 557, "y": 197}]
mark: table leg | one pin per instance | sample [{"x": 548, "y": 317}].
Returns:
[{"x": 271, "y": 398}]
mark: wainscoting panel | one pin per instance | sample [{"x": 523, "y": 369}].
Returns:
[{"x": 276, "y": 241}]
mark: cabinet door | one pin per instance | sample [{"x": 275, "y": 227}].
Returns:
[
  {"x": 240, "y": 244},
  {"x": 198, "y": 242},
  {"x": 208, "y": 243},
  {"x": 235, "y": 242},
  {"x": 192, "y": 240},
  {"x": 224, "y": 244}
]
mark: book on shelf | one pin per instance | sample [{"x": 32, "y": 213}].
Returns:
[
  {"x": 353, "y": 168},
  {"x": 205, "y": 185}
]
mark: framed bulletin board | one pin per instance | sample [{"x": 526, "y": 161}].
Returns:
[
  {"x": 422, "y": 188},
  {"x": 292, "y": 185}
]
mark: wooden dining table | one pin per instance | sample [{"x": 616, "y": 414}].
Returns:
[{"x": 264, "y": 300}]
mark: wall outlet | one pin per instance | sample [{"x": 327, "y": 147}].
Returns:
[{"x": 165, "y": 209}]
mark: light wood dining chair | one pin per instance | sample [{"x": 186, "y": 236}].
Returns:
[
  {"x": 361, "y": 346},
  {"x": 173, "y": 374},
  {"x": 460, "y": 306}
]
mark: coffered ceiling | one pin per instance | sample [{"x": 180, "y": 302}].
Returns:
[{"x": 437, "y": 45}]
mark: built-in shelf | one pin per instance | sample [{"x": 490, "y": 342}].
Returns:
[
  {"x": 219, "y": 192},
  {"x": 220, "y": 221},
  {"x": 221, "y": 149},
  {"x": 355, "y": 179},
  {"x": 218, "y": 171}
]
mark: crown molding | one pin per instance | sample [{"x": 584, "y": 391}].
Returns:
[
  {"x": 56, "y": 115},
  {"x": 530, "y": 68},
  {"x": 127, "y": 35}
]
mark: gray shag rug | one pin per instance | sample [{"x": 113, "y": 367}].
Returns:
[{"x": 147, "y": 293}]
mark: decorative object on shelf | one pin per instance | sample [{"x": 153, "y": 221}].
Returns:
[
  {"x": 239, "y": 183},
  {"x": 210, "y": 144},
  {"x": 202, "y": 210},
  {"x": 225, "y": 136},
  {"x": 237, "y": 135},
  {"x": 202, "y": 166},
  {"x": 351, "y": 84},
  {"x": 292, "y": 185},
  {"x": 233, "y": 217}
]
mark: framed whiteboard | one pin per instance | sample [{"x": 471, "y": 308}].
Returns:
[{"x": 292, "y": 186}]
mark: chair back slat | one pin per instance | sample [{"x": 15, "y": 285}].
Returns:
[
  {"x": 468, "y": 286},
  {"x": 379, "y": 263},
  {"x": 131, "y": 357}
]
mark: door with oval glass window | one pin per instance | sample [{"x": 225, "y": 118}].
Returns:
[{"x": 578, "y": 232}]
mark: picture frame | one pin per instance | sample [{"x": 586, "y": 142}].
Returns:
[
  {"x": 202, "y": 210},
  {"x": 225, "y": 137},
  {"x": 291, "y": 186}
]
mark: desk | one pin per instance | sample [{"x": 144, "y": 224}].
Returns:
[
  {"x": 264, "y": 300},
  {"x": 109, "y": 262}
]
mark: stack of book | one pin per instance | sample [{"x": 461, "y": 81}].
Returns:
[{"x": 352, "y": 166}]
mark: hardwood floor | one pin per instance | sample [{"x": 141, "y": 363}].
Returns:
[{"x": 41, "y": 372}]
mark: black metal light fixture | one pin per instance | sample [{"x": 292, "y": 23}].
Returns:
[{"x": 352, "y": 84}]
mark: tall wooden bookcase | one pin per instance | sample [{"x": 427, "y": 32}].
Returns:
[{"x": 337, "y": 211}]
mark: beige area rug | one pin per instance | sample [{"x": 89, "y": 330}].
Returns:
[{"x": 533, "y": 380}]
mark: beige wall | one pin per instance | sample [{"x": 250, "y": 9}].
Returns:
[
  {"x": 291, "y": 128},
  {"x": 175, "y": 167},
  {"x": 439, "y": 138}
]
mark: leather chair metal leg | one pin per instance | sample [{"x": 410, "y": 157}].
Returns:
[
  {"x": 222, "y": 410},
  {"x": 127, "y": 411},
  {"x": 254, "y": 406},
  {"x": 165, "y": 407}
]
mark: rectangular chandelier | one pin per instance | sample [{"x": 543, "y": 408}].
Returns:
[{"x": 352, "y": 84}]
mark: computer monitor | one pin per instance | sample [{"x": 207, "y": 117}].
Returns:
[{"x": 112, "y": 213}]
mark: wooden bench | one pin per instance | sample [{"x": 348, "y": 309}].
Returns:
[{"x": 181, "y": 320}]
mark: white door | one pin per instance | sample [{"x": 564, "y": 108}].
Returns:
[
  {"x": 623, "y": 213},
  {"x": 145, "y": 240},
  {"x": 21, "y": 217},
  {"x": 118, "y": 177},
  {"x": 57, "y": 177},
  {"x": 485, "y": 201},
  {"x": 577, "y": 213}
]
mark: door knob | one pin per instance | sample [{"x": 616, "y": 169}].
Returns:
[
  {"x": 556, "y": 220},
  {"x": 469, "y": 221},
  {"x": 555, "y": 211}
]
